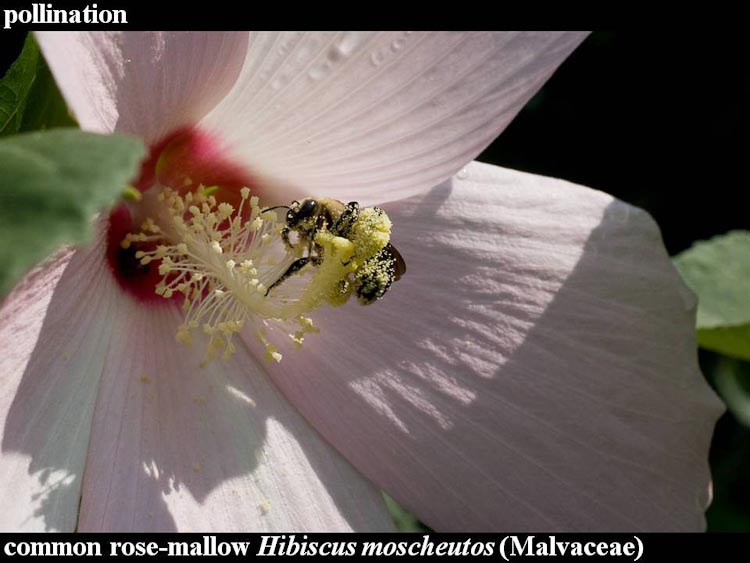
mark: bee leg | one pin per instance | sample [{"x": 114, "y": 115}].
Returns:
[
  {"x": 285, "y": 237},
  {"x": 295, "y": 267},
  {"x": 343, "y": 225},
  {"x": 312, "y": 246}
]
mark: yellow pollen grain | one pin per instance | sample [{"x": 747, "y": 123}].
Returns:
[
  {"x": 145, "y": 378},
  {"x": 130, "y": 193},
  {"x": 265, "y": 507}
]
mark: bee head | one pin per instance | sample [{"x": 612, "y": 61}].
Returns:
[{"x": 300, "y": 211}]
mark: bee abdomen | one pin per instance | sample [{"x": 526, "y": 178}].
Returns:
[{"x": 375, "y": 277}]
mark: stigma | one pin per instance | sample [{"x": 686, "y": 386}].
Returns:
[{"x": 237, "y": 268}]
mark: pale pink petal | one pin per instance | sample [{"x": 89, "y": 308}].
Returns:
[
  {"x": 142, "y": 83},
  {"x": 179, "y": 447},
  {"x": 54, "y": 329},
  {"x": 535, "y": 369},
  {"x": 372, "y": 116},
  {"x": 173, "y": 446}
]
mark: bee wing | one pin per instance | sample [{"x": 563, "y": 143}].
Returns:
[{"x": 400, "y": 262}]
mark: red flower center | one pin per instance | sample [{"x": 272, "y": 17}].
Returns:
[{"x": 182, "y": 161}]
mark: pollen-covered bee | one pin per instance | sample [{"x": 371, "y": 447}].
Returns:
[{"x": 306, "y": 218}]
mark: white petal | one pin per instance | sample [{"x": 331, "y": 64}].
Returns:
[
  {"x": 179, "y": 447},
  {"x": 372, "y": 116},
  {"x": 534, "y": 369},
  {"x": 142, "y": 83},
  {"x": 54, "y": 329}
]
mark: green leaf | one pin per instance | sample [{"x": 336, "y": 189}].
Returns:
[
  {"x": 16, "y": 85},
  {"x": 732, "y": 380},
  {"x": 53, "y": 183},
  {"x": 29, "y": 98},
  {"x": 730, "y": 450},
  {"x": 45, "y": 106},
  {"x": 404, "y": 520},
  {"x": 732, "y": 340},
  {"x": 719, "y": 272}
]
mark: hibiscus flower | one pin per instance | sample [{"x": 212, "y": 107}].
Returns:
[{"x": 534, "y": 369}]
